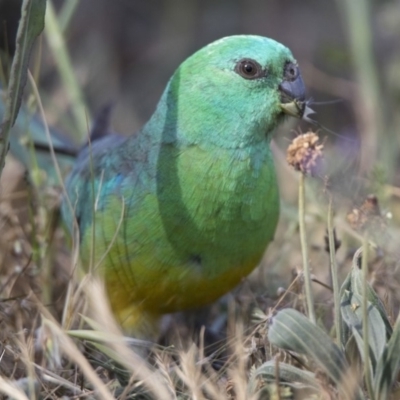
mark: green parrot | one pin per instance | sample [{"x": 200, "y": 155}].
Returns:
[{"x": 176, "y": 215}]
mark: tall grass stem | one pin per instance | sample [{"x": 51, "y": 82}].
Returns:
[
  {"x": 66, "y": 14},
  {"x": 367, "y": 361},
  {"x": 334, "y": 274},
  {"x": 370, "y": 104},
  {"x": 57, "y": 45},
  {"x": 304, "y": 250}
]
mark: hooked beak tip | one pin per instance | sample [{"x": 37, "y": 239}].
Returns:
[{"x": 293, "y": 94}]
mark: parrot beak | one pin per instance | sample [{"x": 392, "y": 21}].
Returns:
[{"x": 293, "y": 93}]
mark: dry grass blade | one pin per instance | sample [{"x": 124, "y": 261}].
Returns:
[{"x": 8, "y": 388}]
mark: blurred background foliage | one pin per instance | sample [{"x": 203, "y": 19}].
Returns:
[{"x": 124, "y": 51}]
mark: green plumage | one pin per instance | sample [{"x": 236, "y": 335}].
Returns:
[{"x": 180, "y": 212}]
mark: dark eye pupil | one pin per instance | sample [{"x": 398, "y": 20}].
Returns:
[{"x": 248, "y": 68}]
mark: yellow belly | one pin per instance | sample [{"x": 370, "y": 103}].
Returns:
[{"x": 182, "y": 289}]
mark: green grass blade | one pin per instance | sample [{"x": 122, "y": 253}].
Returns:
[
  {"x": 389, "y": 365},
  {"x": 30, "y": 26},
  {"x": 361, "y": 345},
  {"x": 346, "y": 331},
  {"x": 58, "y": 47}
]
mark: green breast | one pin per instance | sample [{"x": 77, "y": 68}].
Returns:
[
  {"x": 192, "y": 238},
  {"x": 221, "y": 207}
]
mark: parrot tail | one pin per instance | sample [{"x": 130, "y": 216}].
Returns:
[{"x": 29, "y": 142}]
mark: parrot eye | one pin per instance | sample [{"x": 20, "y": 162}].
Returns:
[{"x": 249, "y": 69}]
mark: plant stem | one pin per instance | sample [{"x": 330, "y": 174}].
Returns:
[
  {"x": 61, "y": 57},
  {"x": 66, "y": 13},
  {"x": 367, "y": 364},
  {"x": 370, "y": 105},
  {"x": 334, "y": 275},
  {"x": 304, "y": 250}
]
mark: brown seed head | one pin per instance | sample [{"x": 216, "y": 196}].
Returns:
[
  {"x": 368, "y": 216},
  {"x": 305, "y": 153}
]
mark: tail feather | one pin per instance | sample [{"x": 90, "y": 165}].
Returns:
[
  {"x": 29, "y": 143},
  {"x": 30, "y": 146}
]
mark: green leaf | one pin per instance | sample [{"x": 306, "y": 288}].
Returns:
[
  {"x": 353, "y": 317},
  {"x": 360, "y": 345},
  {"x": 346, "y": 331},
  {"x": 356, "y": 286},
  {"x": 352, "y": 353},
  {"x": 288, "y": 374},
  {"x": 388, "y": 366},
  {"x": 30, "y": 26},
  {"x": 290, "y": 330}
]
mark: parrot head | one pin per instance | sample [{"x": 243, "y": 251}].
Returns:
[{"x": 235, "y": 91}]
